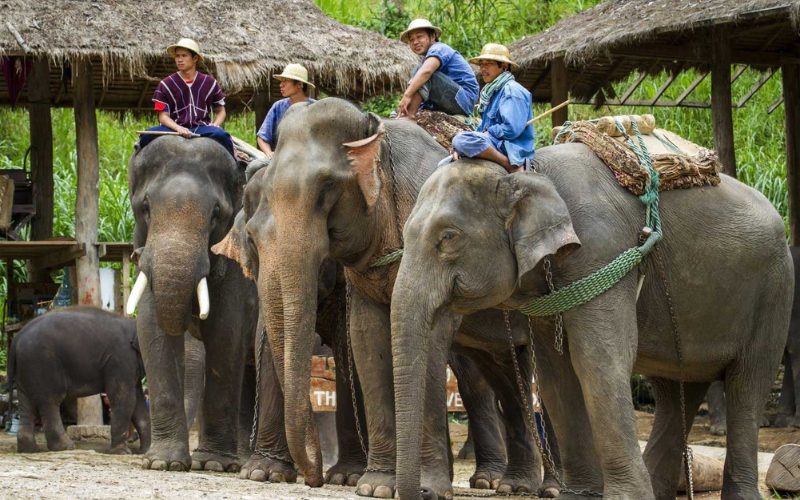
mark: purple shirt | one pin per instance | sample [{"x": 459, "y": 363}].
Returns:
[{"x": 189, "y": 105}]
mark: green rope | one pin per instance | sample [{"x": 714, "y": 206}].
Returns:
[
  {"x": 589, "y": 287},
  {"x": 388, "y": 258}
]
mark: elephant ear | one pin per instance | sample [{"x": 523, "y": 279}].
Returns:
[
  {"x": 363, "y": 156},
  {"x": 539, "y": 220},
  {"x": 234, "y": 246}
]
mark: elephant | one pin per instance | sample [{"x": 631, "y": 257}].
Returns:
[
  {"x": 185, "y": 194},
  {"x": 564, "y": 221},
  {"x": 339, "y": 186},
  {"x": 77, "y": 352}
]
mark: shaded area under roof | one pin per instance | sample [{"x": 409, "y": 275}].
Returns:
[
  {"x": 607, "y": 43},
  {"x": 244, "y": 44}
]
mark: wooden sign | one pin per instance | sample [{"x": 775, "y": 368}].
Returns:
[{"x": 323, "y": 388}]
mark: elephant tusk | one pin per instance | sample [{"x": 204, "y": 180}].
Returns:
[
  {"x": 136, "y": 293},
  {"x": 202, "y": 298}
]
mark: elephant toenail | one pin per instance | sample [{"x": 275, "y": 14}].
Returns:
[
  {"x": 504, "y": 489},
  {"x": 383, "y": 491},
  {"x": 256, "y": 475},
  {"x": 158, "y": 465},
  {"x": 145, "y": 463},
  {"x": 481, "y": 484},
  {"x": 550, "y": 492},
  {"x": 177, "y": 467},
  {"x": 277, "y": 477},
  {"x": 214, "y": 466},
  {"x": 352, "y": 480},
  {"x": 197, "y": 465},
  {"x": 495, "y": 484},
  {"x": 234, "y": 467},
  {"x": 365, "y": 490}
]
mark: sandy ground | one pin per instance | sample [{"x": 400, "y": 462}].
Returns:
[{"x": 87, "y": 473}]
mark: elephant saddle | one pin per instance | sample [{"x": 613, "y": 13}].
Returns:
[
  {"x": 441, "y": 126},
  {"x": 680, "y": 164}
]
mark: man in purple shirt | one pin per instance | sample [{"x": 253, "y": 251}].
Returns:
[{"x": 184, "y": 100}]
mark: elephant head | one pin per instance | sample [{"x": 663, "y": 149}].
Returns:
[
  {"x": 473, "y": 234},
  {"x": 184, "y": 194},
  {"x": 318, "y": 199}
]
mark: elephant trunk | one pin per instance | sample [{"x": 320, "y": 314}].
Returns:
[
  {"x": 298, "y": 302},
  {"x": 176, "y": 264},
  {"x": 411, "y": 331}
]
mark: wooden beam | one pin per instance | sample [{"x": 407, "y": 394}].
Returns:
[
  {"x": 721, "y": 99},
  {"x": 741, "y": 68},
  {"x": 643, "y": 74},
  {"x": 791, "y": 94},
  {"x": 772, "y": 107},
  {"x": 697, "y": 53},
  {"x": 756, "y": 86},
  {"x": 673, "y": 75},
  {"x": 61, "y": 258},
  {"x": 41, "y": 128},
  {"x": 559, "y": 90},
  {"x": 540, "y": 78},
  {"x": 261, "y": 106},
  {"x": 688, "y": 90},
  {"x": 88, "y": 266},
  {"x": 606, "y": 76},
  {"x": 645, "y": 103}
]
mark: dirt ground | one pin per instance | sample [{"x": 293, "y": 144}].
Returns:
[{"x": 87, "y": 473}]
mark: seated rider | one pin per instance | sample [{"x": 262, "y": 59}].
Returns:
[
  {"x": 504, "y": 135},
  {"x": 443, "y": 81},
  {"x": 294, "y": 89},
  {"x": 184, "y": 100}
]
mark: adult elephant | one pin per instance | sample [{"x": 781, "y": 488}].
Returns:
[
  {"x": 185, "y": 194},
  {"x": 340, "y": 185},
  {"x": 572, "y": 209}
]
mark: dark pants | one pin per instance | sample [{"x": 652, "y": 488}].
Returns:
[
  {"x": 439, "y": 94},
  {"x": 210, "y": 131}
]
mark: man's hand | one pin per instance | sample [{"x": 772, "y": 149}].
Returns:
[
  {"x": 455, "y": 156},
  {"x": 185, "y": 132},
  {"x": 269, "y": 154},
  {"x": 402, "y": 108}
]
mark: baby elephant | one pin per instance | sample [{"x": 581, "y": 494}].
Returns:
[{"x": 78, "y": 351}]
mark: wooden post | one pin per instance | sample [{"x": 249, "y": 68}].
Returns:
[
  {"x": 559, "y": 90},
  {"x": 41, "y": 158},
  {"x": 791, "y": 96},
  {"x": 261, "y": 106},
  {"x": 88, "y": 284},
  {"x": 721, "y": 99}
]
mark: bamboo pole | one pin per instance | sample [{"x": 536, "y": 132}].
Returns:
[{"x": 548, "y": 112}]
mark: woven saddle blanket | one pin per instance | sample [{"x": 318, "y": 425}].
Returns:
[
  {"x": 441, "y": 126},
  {"x": 680, "y": 164}
]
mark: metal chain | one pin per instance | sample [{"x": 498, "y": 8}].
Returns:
[
  {"x": 351, "y": 368},
  {"x": 559, "y": 319},
  {"x": 687, "y": 451},
  {"x": 261, "y": 339},
  {"x": 544, "y": 448},
  {"x": 274, "y": 456},
  {"x": 225, "y": 454}
]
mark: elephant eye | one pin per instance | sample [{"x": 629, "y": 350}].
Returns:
[{"x": 447, "y": 239}]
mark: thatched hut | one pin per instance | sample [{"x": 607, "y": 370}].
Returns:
[{"x": 580, "y": 56}]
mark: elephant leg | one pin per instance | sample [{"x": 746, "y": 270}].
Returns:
[
  {"x": 163, "y": 362},
  {"x": 370, "y": 334},
  {"x": 57, "y": 439},
  {"x": 663, "y": 454},
  {"x": 561, "y": 394},
  {"x": 523, "y": 472},
  {"x": 26, "y": 435},
  {"x": 246, "y": 411},
  {"x": 786, "y": 403},
  {"x": 194, "y": 377},
  {"x": 122, "y": 406},
  {"x": 602, "y": 336},
  {"x": 351, "y": 461},
  {"x": 792, "y": 373},
  {"x": 141, "y": 420},
  {"x": 484, "y": 423},
  {"x": 716, "y": 408}
]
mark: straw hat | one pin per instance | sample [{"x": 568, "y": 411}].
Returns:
[
  {"x": 419, "y": 24},
  {"x": 188, "y": 44},
  {"x": 295, "y": 72},
  {"x": 494, "y": 52}
]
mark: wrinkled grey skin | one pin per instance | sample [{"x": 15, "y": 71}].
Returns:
[
  {"x": 77, "y": 352},
  {"x": 185, "y": 194},
  {"x": 717, "y": 239},
  {"x": 329, "y": 194},
  {"x": 271, "y": 460},
  {"x": 194, "y": 361}
]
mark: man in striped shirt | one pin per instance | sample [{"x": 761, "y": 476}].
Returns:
[{"x": 185, "y": 100}]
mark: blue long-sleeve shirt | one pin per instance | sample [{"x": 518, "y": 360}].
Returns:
[{"x": 506, "y": 119}]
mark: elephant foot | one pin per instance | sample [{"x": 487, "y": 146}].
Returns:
[
  {"x": 517, "y": 483},
  {"x": 263, "y": 468},
  {"x": 27, "y": 445},
  {"x": 61, "y": 445},
  {"x": 376, "y": 484},
  {"x": 467, "y": 452},
  {"x": 782, "y": 420},
  {"x": 486, "y": 478},
  {"x": 550, "y": 488},
  {"x": 436, "y": 485},
  {"x": 763, "y": 421},
  {"x": 167, "y": 456},
  {"x": 215, "y": 461},
  {"x": 120, "y": 449},
  {"x": 345, "y": 473},
  {"x": 718, "y": 429}
]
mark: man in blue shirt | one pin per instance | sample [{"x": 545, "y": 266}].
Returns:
[
  {"x": 443, "y": 81},
  {"x": 294, "y": 89},
  {"x": 504, "y": 135}
]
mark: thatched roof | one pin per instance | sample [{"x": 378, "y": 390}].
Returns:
[
  {"x": 609, "y": 41},
  {"x": 244, "y": 42}
]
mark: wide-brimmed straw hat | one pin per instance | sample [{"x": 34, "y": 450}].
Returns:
[
  {"x": 188, "y": 44},
  {"x": 419, "y": 24},
  {"x": 296, "y": 72},
  {"x": 494, "y": 52}
]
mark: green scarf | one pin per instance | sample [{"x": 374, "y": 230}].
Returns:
[{"x": 489, "y": 90}]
